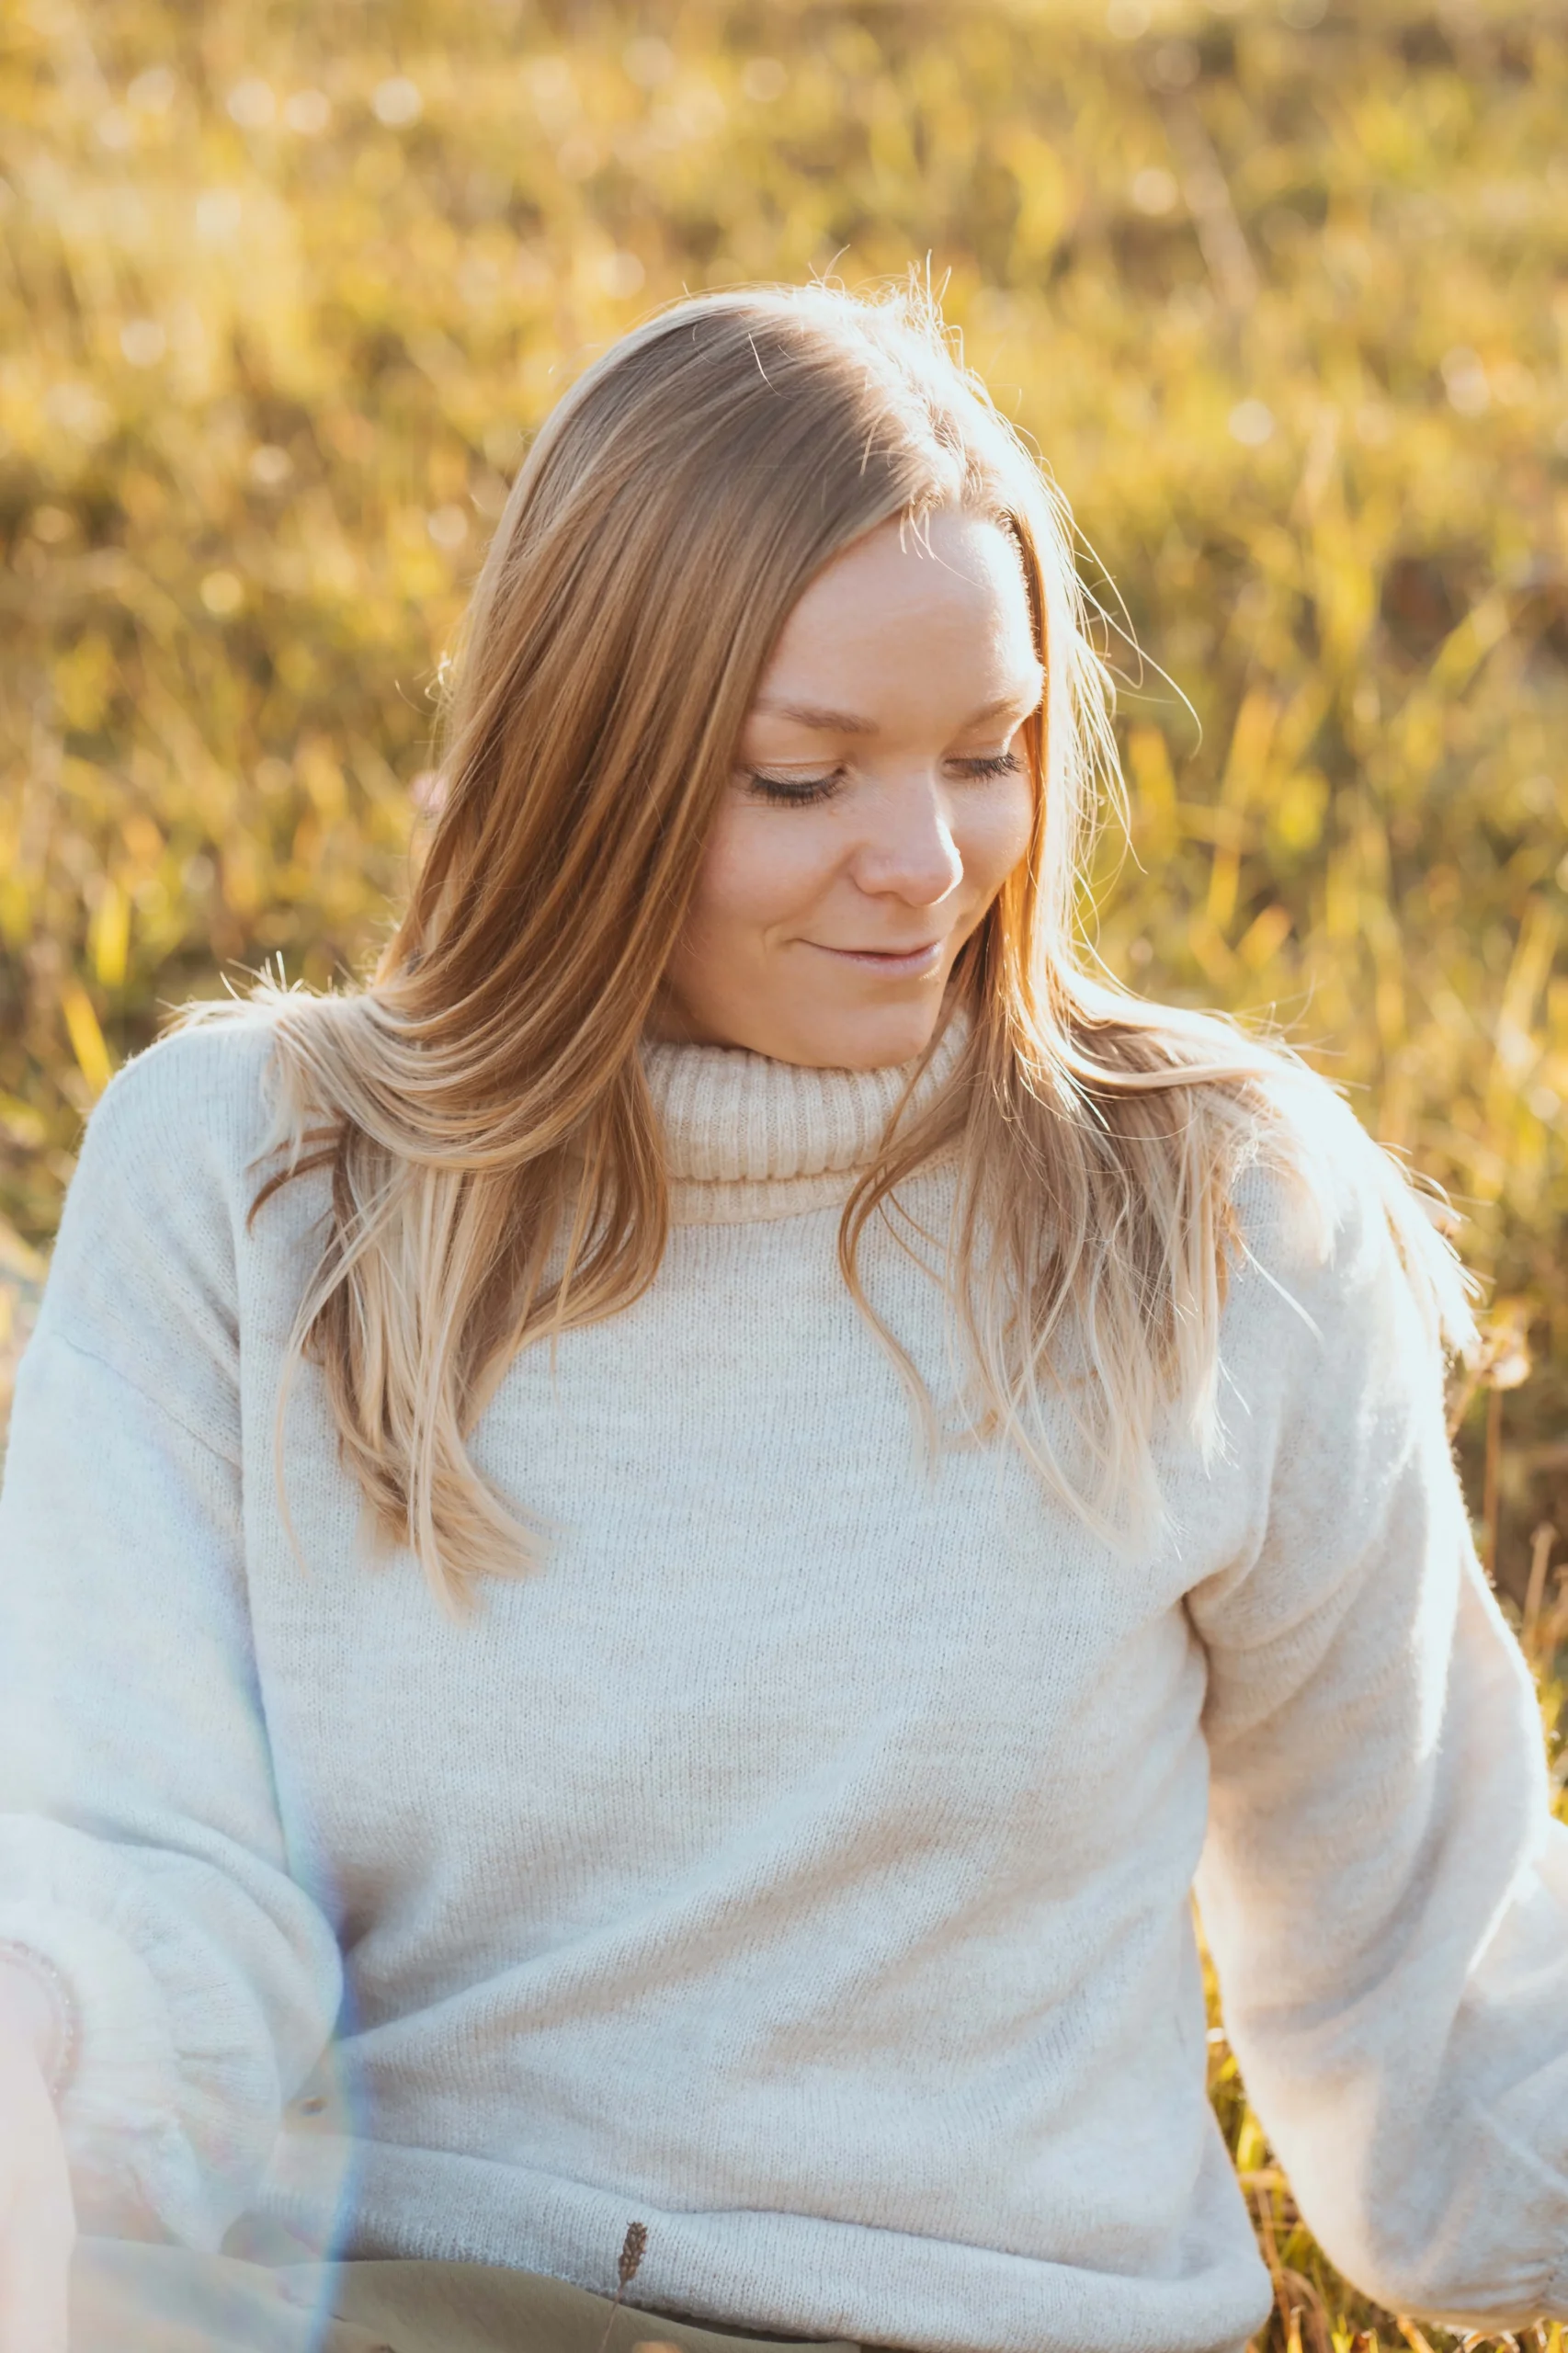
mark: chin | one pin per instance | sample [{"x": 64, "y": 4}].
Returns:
[{"x": 867, "y": 1037}]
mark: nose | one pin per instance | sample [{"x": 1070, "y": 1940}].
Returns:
[{"x": 908, "y": 851}]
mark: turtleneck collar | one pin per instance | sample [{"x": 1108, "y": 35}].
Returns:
[{"x": 748, "y": 1138}]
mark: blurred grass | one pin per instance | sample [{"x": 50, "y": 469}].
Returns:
[{"x": 1279, "y": 289}]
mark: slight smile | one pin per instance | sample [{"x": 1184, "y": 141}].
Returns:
[{"x": 896, "y": 963}]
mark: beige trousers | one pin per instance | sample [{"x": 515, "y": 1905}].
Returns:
[{"x": 128, "y": 2297}]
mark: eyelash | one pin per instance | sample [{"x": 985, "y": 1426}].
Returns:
[{"x": 797, "y": 792}]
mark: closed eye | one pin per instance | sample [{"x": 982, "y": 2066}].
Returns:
[
  {"x": 798, "y": 791},
  {"x": 993, "y": 764},
  {"x": 793, "y": 791}
]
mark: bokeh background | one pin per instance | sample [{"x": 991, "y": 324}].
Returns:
[{"x": 1276, "y": 286}]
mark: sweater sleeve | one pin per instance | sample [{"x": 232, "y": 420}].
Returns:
[
  {"x": 141, "y": 1848},
  {"x": 1384, "y": 1888}
]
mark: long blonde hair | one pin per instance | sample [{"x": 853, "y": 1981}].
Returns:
[{"x": 480, "y": 1104}]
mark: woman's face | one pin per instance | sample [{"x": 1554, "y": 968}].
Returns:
[{"x": 882, "y": 797}]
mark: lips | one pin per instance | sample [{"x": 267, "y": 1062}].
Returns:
[{"x": 892, "y": 960}]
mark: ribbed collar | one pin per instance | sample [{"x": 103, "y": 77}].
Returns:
[{"x": 746, "y": 1137}]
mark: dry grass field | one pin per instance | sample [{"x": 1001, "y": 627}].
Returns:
[{"x": 1278, "y": 287}]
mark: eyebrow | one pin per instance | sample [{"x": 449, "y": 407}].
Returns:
[{"x": 848, "y": 723}]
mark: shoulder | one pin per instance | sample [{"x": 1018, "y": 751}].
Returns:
[
  {"x": 1309, "y": 1200},
  {"x": 1335, "y": 1241},
  {"x": 195, "y": 1107},
  {"x": 1342, "y": 1299},
  {"x": 1310, "y": 1182},
  {"x": 145, "y": 1274}
]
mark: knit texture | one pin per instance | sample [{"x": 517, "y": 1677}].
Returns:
[
  {"x": 747, "y": 1138},
  {"x": 800, "y": 1861}
]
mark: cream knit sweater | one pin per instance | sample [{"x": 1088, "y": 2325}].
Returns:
[{"x": 799, "y": 1862}]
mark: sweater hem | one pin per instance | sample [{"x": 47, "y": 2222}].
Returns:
[
  {"x": 788, "y": 2272},
  {"x": 1557, "y": 2292}
]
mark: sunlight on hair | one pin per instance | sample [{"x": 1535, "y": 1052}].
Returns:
[{"x": 480, "y": 1109}]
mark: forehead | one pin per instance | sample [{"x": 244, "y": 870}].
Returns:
[
  {"x": 929, "y": 612},
  {"x": 956, "y": 571}
]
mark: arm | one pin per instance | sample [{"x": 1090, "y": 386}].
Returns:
[
  {"x": 1384, "y": 1890},
  {"x": 141, "y": 1850},
  {"x": 37, "y": 2225}
]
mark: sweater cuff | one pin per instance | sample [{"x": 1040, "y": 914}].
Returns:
[
  {"x": 52, "y": 2024},
  {"x": 119, "y": 2114}
]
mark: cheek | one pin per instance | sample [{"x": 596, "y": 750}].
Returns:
[
  {"x": 996, "y": 831},
  {"x": 761, "y": 867}
]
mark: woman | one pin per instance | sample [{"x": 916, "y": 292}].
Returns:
[{"x": 639, "y": 1558}]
